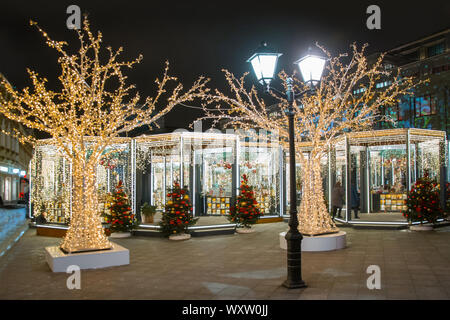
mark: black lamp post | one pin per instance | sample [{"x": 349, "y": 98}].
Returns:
[{"x": 264, "y": 63}]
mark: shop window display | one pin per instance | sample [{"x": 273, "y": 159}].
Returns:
[
  {"x": 204, "y": 163},
  {"x": 114, "y": 166},
  {"x": 261, "y": 164},
  {"x": 50, "y": 184},
  {"x": 215, "y": 172},
  {"x": 158, "y": 166},
  {"x": 51, "y": 179},
  {"x": 382, "y": 165}
]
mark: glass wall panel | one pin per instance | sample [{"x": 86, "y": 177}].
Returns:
[
  {"x": 50, "y": 190},
  {"x": 158, "y": 164},
  {"x": 338, "y": 178},
  {"x": 261, "y": 164},
  {"x": 428, "y": 160},
  {"x": 207, "y": 170},
  {"x": 114, "y": 166},
  {"x": 388, "y": 182}
]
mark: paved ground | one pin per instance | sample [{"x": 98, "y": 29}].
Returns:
[
  {"x": 381, "y": 216},
  {"x": 12, "y": 224},
  {"x": 413, "y": 265}
]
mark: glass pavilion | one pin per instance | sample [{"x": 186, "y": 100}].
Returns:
[{"x": 382, "y": 165}]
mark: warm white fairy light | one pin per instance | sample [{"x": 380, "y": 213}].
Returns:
[
  {"x": 86, "y": 108},
  {"x": 319, "y": 118}
]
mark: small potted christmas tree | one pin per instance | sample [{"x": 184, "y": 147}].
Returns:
[
  {"x": 177, "y": 215},
  {"x": 246, "y": 211},
  {"x": 120, "y": 217},
  {"x": 423, "y": 204}
]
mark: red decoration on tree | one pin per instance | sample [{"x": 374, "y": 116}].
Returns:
[
  {"x": 423, "y": 201},
  {"x": 177, "y": 216},
  {"x": 246, "y": 211},
  {"x": 120, "y": 216}
]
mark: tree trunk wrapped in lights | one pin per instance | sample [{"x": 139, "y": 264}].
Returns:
[
  {"x": 93, "y": 106},
  {"x": 346, "y": 100}
]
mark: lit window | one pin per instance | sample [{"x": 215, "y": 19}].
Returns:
[
  {"x": 425, "y": 106},
  {"x": 436, "y": 49}
]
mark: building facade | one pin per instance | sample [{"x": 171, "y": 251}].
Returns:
[
  {"x": 14, "y": 160},
  {"x": 428, "y": 107}
]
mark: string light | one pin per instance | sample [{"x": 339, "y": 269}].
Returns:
[
  {"x": 84, "y": 118},
  {"x": 333, "y": 109}
]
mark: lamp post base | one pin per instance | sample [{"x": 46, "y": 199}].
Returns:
[
  {"x": 294, "y": 285},
  {"x": 294, "y": 262}
]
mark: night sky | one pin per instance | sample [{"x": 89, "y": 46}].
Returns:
[{"x": 201, "y": 38}]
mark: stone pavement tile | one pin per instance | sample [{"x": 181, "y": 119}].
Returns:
[
  {"x": 262, "y": 288},
  {"x": 282, "y": 293},
  {"x": 341, "y": 296},
  {"x": 444, "y": 283},
  {"x": 446, "y": 288},
  {"x": 375, "y": 294},
  {"x": 314, "y": 294},
  {"x": 425, "y": 280},
  {"x": 439, "y": 270},
  {"x": 430, "y": 292},
  {"x": 234, "y": 291},
  {"x": 395, "y": 282},
  {"x": 258, "y": 295},
  {"x": 401, "y": 292},
  {"x": 169, "y": 295},
  {"x": 444, "y": 277},
  {"x": 349, "y": 287},
  {"x": 419, "y": 268},
  {"x": 224, "y": 298},
  {"x": 199, "y": 297}
]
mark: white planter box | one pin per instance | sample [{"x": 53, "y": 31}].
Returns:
[
  {"x": 326, "y": 242},
  {"x": 118, "y": 235},
  {"x": 58, "y": 261}
]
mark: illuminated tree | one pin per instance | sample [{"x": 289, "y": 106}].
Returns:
[
  {"x": 347, "y": 99},
  {"x": 94, "y": 105}
]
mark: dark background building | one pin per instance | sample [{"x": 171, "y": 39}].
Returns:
[{"x": 424, "y": 58}]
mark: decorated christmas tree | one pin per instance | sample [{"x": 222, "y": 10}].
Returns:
[
  {"x": 177, "y": 215},
  {"x": 423, "y": 201},
  {"x": 120, "y": 216},
  {"x": 246, "y": 211}
]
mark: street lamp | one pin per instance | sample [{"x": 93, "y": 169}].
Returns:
[{"x": 264, "y": 63}]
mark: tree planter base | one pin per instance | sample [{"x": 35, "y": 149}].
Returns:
[
  {"x": 245, "y": 230},
  {"x": 421, "y": 227},
  {"x": 178, "y": 237},
  {"x": 120, "y": 235},
  {"x": 58, "y": 261},
  {"x": 326, "y": 242}
]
